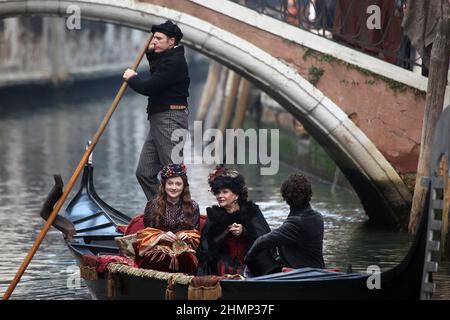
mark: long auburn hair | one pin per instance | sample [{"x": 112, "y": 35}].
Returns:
[{"x": 160, "y": 209}]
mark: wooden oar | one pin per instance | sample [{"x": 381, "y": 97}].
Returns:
[{"x": 74, "y": 177}]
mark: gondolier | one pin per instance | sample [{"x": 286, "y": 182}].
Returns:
[{"x": 167, "y": 89}]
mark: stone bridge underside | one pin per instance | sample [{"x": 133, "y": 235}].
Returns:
[{"x": 349, "y": 112}]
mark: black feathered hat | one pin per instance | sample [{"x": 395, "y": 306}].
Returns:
[
  {"x": 222, "y": 178},
  {"x": 170, "y": 29}
]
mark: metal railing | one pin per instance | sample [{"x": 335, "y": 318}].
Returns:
[{"x": 354, "y": 23}]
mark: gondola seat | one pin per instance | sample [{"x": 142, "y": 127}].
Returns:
[
  {"x": 100, "y": 262},
  {"x": 136, "y": 224}
]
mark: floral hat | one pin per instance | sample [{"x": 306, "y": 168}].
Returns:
[{"x": 173, "y": 170}]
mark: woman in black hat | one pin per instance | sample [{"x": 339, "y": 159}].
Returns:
[{"x": 231, "y": 228}]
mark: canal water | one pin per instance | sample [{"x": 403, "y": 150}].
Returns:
[{"x": 44, "y": 131}]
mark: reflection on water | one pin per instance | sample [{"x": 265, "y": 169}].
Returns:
[{"x": 38, "y": 140}]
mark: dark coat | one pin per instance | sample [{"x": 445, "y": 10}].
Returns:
[
  {"x": 213, "y": 246},
  {"x": 168, "y": 83},
  {"x": 299, "y": 240}
]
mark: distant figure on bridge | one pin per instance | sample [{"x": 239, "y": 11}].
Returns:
[
  {"x": 167, "y": 89},
  {"x": 300, "y": 238}
]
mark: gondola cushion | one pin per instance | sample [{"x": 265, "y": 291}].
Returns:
[
  {"x": 101, "y": 262},
  {"x": 136, "y": 224},
  {"x": 125, "y": 245}
]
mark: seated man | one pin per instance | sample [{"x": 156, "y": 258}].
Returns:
[{"x": 300, "y": 238}]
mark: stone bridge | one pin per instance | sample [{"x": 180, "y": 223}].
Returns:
[
  {"x": 366, "y": 113},
  {"x": 38, "y": 51}
]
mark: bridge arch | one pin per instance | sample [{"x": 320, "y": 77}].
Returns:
[{"x": 383, "y": 194}]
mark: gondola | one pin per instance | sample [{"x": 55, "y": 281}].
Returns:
[
  {"x": 95, "y": 225},
  {"x": 90, "y": 227}
]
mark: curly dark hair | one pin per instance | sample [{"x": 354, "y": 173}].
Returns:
[{"x": 296, "y": 190}]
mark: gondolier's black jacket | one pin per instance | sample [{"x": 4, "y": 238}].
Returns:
[
  {"x": 299, "y": 240},
  {"x": 168, "y": 83}
]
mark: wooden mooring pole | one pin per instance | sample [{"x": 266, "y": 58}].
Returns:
[
  {"x": 231, "y": 93},
  {"x": 443, "y": 171},
  {"x": 209, "y": 91},
  {"x": 437, "y": 83},
  {"x": 241, "y": 108}
]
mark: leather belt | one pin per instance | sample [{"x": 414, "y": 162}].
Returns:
[{"x": 177, "y": 107}]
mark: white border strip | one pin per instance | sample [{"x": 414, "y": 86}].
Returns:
[{"x": 315, "y": 42}]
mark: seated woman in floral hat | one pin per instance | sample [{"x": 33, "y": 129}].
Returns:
[
  {"x": 231, "y": 228},
  {"x": 171, "y": 222}
]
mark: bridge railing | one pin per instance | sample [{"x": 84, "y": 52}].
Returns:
[{"x": 370, "y": 26}]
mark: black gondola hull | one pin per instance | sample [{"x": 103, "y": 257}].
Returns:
[{"x": 96, "y": 224}]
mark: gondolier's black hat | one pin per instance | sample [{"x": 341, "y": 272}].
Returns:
[{"x": 170, "y": 29}]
